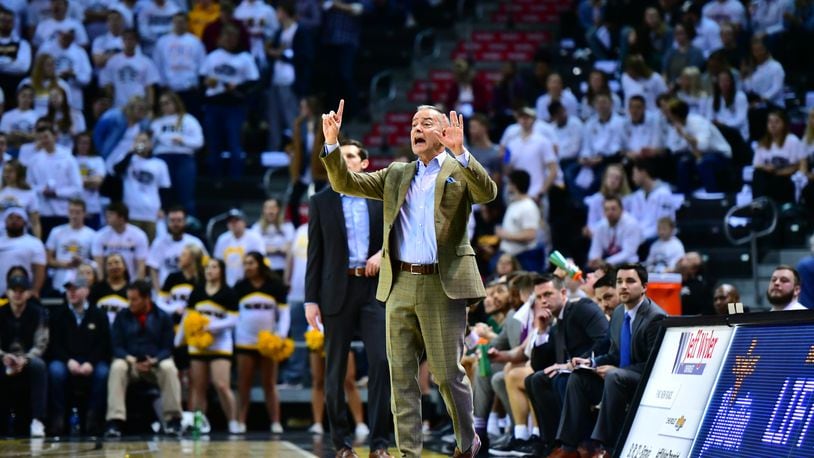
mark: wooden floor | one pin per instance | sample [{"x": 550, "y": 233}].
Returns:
[{"x": 223, "y": 446}]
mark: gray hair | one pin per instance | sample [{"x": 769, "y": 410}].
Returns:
[{"x": 430, "y": 107}]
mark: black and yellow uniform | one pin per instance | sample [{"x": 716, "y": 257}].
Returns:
[{"x": 262, "y": 308}]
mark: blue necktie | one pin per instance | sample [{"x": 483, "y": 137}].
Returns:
[{"x": 624, "y": 343}]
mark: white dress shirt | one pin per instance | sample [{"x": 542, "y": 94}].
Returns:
[
  {"x": 616, "y": 244},
  {"x": 602, "y": 138},
  {"x": 767, "y": 81},
  {"x": 709, "y": 138}
]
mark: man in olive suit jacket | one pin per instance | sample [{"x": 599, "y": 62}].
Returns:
[{"x": 428, "y": 275}]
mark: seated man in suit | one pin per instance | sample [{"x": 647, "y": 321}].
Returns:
[
  {"x": 610, "y": 379},
  {"x": 580, "y": 330},
  {"x": 142, "y": 349}
]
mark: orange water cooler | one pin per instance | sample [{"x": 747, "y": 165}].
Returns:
[{"x": 665, "y": 290}]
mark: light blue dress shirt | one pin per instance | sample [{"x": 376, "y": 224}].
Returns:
[
  {"x": 357, "y": 226},
  {"x": 77, "y": 316},
  {"x": 415, "y": 230}
]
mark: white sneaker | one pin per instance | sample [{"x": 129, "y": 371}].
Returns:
[
  {"x": 37, "y": 428},
  {"x": 234, "y": 427},
  {"x": 276, "y": 428},
  {"x": 362, "y": 431},
  {"x": 241, "y": 428},
  {"x": 316, "y": 429}
]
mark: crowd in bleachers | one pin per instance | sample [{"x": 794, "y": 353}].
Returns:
[{"x": 105, "y": 106}]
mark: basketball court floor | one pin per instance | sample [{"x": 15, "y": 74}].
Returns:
[{"x": 294, "y": 444}]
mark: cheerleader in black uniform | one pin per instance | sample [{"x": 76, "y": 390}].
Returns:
[
  {"x": 261, "y": 297},
  {"x": 216, "y": 300}
]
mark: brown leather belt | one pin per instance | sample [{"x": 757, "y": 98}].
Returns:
[
  {"x": 356, "y": 272},
  {"x": 418, "y": 269}
]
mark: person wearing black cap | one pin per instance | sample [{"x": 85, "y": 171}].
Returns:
[
  {"x": 23, "y": 340},
  {"x": 79, "y": 353},
  {"x": 233, "y": 245}
]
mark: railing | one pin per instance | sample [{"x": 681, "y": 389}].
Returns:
[
  {"x": 753, "y": 220},
  {"x": 210, "y": 227}
]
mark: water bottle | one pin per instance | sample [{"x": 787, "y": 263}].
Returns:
[
  {"x": 197, "y": 423},
  {"x": 74, "y": 422},
  {"x": 484, "y": 365},
  {"x": 570, "y": 268}
]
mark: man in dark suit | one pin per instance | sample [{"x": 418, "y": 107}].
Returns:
[
  {"x": 610, "y": 379},
  {"x": 344, "y": 256},
  {"x": 581, "y": 330}
]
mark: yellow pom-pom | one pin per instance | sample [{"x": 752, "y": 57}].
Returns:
[
  {"x": 195, "y": 324},
  {"x": 273, "y": 346},
  {"x": 314, "y": 339}
]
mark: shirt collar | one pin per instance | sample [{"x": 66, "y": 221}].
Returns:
[
  {"x": 77, "y": 314},
  {"x": 434, "y": 166},
  {"x": 632, "y": 312}
]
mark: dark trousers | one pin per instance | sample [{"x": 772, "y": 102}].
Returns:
[
  {"x": 365, "y": 316},
  {"x": 223, "y": 125},
  {"x": 779, "y": 188},
  {"x": 708, "y": 170},
  {"x": 192, "y": 102},
  {"x": 546, "y": 395},
  {"x": 295, "y": 369},
  {"x": 183, "y": 171},
  {"x": 37, "y": 376},
  {"x": 62, "y": 388},
  {"x": 585, "y": 390}
]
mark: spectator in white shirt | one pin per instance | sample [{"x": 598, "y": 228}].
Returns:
[
  {"x": 707, "y": 32},
  {"x": 165, "y": 251},
  {"x": 59, "y": 20},
  {"x": 260, "y": 20},
  {"x": 111, "y": 43},
  {"x": 92, "y": 169},
  {"x": 178, "y": 56},
  {"x": 234, "y": 244},
  {"x": 651, "y": 202},
  {"x": 69, "y": 245},
  {"x": 284, "y": 49},
  {"x": 123, "y": 238},
  {"x": 614, "y": 184},
  {"x": 642, "y": 132},
  {"x": 666, "y": 251},
  {"x": 699, "y": 147},
  {"x": 569, "y": 137},
  {"x": 155, "y": 21},
  {"x": 597, "y": 84},
  {"x": 277, "y": 234},
  {"x": 617, "y": 238},
  {"x": 21, "y": 249},
  {"x": 15, "y": 54},
  {"x": 54, "y": 174},
  {"x": 129, "y": 73},
  {"x": 533, "y": 153},
  {"x": 229, "y": 75},
  {"x": 726, "y": 11},
  {"x": 602, "y": 144},
  {"x": 764, "y": 80},
  {"x": 143, "y": 176},
  {"x": 15, "y": 192},
  {"x": 522, "y": 220},
  {"x": 639, "y": 79},
  {"x": 556, "y": 91},
  {"x": 66, "y": 120},
  {"x": 43, "y": 78},
  {"x": 779, "y": 155},
  {"x": 72, "y": 64},
  {"x": 176, "y": 136},
  {"x": 18, "y": 124},
  {"x": 729, "y": 106},
  {"x": 690, "y": 90},
  {"x": 768, "y": 15},
  {"x": 513, "y": 130}
]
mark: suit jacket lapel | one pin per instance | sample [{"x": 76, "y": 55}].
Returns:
[
  {"x": 406, "y": 178},
  {"x": 440, "y": 181}
]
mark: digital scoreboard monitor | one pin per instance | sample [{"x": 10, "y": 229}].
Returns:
[{"x": 763, "y": 403}]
